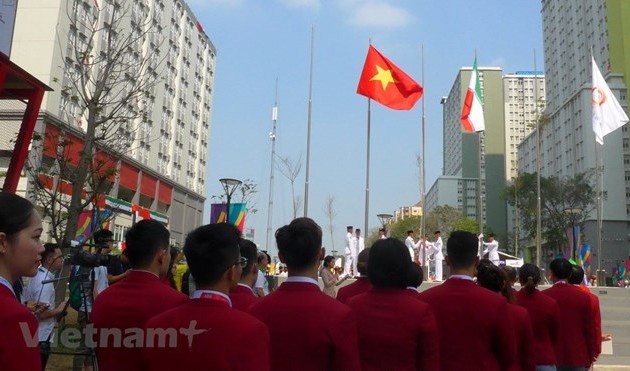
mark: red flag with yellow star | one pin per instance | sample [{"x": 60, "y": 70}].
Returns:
[{"x": 387, "y": 84}]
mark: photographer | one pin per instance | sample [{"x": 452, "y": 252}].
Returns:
[{"x": 93, "y": 278}]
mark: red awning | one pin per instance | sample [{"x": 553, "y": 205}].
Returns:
[
  {"x": 148, "y": 185},
  {"x": 128, "y": 176}
]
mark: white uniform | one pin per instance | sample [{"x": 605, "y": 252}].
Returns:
[
  {"x": 351, "y": 254},
  {"x": 411, "y": 246},
  {"x": 438, "y": 257},
  {"x": 492, "y": 249},
  {"x": 428, "y": 250},
  {"x": 32, "y": 293}
]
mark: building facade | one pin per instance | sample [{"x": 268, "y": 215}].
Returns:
[
  {"x": 461, "y": 158},
  {"x": 571, "y": 32},
  {"x": 162, "y": 166},
  {"x": 405, "y": 212}
]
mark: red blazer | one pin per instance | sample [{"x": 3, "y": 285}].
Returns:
[
  {"x": 19, "y": 345},
  {"x": 227, "y": 339},
  {"x": 597, "y": 320},
  {"x": 242, "y": 298},
  {"x": 544, "y": 315},
  {"x": 361, "y": 285},
  {"x": 308, "y": 329},
  {"x": 396, "y": 331},
  {"x": 524, "y": 337},
  {"x": 129, "y": 304},
  {"x": 475, "y": 329},
  {"x": 575, "y": 347}
]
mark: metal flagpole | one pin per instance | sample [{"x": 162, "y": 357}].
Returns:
[
  {"x": 480, "y": 182},
  {"x": 308, "y": 131},
  {"x": 272, "y": 136},
  {"x": 422, "y": 219},
  {"x": 367, "y": 168},
  {"x": 600, "y": 190},
  {"x": 538, "y": 200}
]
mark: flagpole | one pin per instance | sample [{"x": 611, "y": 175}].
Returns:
[
  {"x": 272, "y": 136},
  {"x": 308, "y": 131},
  {"x": 538, "y": 199},
  {"x": 422, "y": 219},
  {"x": 367, "y": 168},
  {"x": 600, "y": 190},
  {"x": 479, "y": 191}
]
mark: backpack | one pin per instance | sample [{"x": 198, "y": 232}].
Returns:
[{"x": 76, "y": 296}]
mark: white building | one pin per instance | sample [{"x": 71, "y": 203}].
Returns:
[
  {"x": 163, "y": 170},
  {"x": 571, "y": 29}
]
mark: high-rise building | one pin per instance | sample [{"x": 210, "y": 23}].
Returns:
[
  {"x": 461, "y": 158},
  {"x": 161, "y": 173},
  {"x": 572, "y": 30}
]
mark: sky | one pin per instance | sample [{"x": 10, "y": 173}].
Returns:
[{"x": 259, "y": 41}]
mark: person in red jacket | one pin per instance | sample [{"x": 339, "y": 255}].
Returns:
[
  {"x": 309, "y": 330},
  {"x": 362, "y": 283},
  {"x": 475, "y": 329},
  {"x": 128, "y": 304},
  {"x": 243, "y": 295},
  {"x": 544, "y": 314},
  {"x": 396, "y": 330},
  {"x": 575, "y": 351},
  {"x": 20, "y": 255},
  {"x": 211, "y": 335},
  {"x": 495, "y": 279},
  {"x": 577, "y": 279}
]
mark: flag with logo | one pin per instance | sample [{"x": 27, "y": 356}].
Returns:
[
  {"x": 472, "y": 112},
  {"x": 382, "y": 81},
  {"x": 218, "y": 214},
  {"x": 608, "y": 115}
]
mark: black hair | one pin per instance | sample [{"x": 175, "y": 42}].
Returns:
[
  {"x": 409, "y": 232},
  {"x": 300, "y": 243},
  {"x": 462, "y": 248},
  {"x": 144, "y": 240},
  {"x": 381, "y": 229},
  {"x": 389, "y": 264},
  {"x": 102, "y": 236},
  {"x": 249, "y": 251},
  {"x": 15, "y": 214},
  {"x": 210, "y": 250},
  {"x": 529, "y": 277},
  {"x": 414, "y": 276},
  {"x": 328, "y": 260},
  {"x": 49, "y": 250},
  {"x": 494, "y": 279},
  {"x": 560, "y": 268},
  {"x": 577, "y": 275},
  {"x": 362, "y": 261},
  {"x": 510, "y": 272}
]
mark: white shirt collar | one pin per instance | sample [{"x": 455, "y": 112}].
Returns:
[
  {"x": 197, "y": 294},
  {"x": 5, "y": 282},
  {"x": 302, "y": 279},
  {"x": 244, "y": 285},
  {"x": 412, "y": 288},
  {"x": 560, "y": 282},
  {"x": 461, "y": 277}
]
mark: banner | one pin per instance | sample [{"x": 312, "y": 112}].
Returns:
[
  {"x": 88, "y": 223},
  {"x": 585, "y": 259},
  {"x": 237, "y": 214}
]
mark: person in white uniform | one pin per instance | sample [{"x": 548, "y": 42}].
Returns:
[
  {"x": 350, "y": 251},
  {"x": 491, "y": 248},
  {"x": 411, "y": 245},
  {"x": 427, "y": 247},
  {"x": 359, "y": 245},
  {"x": 438, "y": 257},
  {"x": 44, "y": 295},
  {"x": 381, "y": 234}
]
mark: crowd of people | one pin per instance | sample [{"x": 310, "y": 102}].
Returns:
[{"x": 475, "y": 320}]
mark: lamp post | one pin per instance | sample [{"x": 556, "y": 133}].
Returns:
[
  {"x": 229, "y": 186},
  {"x": 385, "y": 219}
]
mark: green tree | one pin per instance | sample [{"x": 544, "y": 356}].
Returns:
[
  {"x": 466, "y": 224},
  {"x": 399, "y": 229},
  {"x": 443, "y": 219},
  {"x": 565, "y": 202}
]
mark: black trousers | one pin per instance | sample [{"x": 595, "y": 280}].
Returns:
[{"x": 44, "y": 351}]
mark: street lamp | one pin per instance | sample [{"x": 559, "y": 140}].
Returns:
[
  {"x": 229, "y": 186},
  {"x": 384, "y": 219}
]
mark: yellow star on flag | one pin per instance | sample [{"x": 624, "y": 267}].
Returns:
[{"x": 384, "y": 76}]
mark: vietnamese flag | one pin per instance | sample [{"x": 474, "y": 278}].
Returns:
[
  {"x": 472, "y": 112},
  {"x": 387, "y": 84}
]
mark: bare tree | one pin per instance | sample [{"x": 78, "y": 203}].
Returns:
[
  {"x": 331, "y": 213},
  {"x": 291, "y": 170},
  {"x": 110, "y": 66},
  {"x": 244, "y": 194}
]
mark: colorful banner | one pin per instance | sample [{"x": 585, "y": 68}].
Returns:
[
  {"x": 585, "y": 259},
  {"x": 237, "y": 214},
  {"x": 87, "y": 223},
  {"x": 573, "y": 241}
]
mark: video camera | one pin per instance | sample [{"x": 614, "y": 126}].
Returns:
[{"x": 83, "y": 258}]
